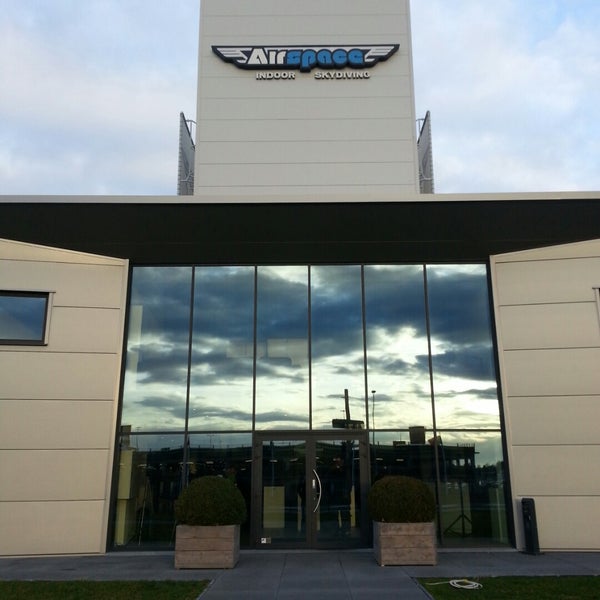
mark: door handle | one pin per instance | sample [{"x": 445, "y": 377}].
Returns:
[{"x": 316, "y": 508}]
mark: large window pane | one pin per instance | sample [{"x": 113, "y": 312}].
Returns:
[
  {"x": 222, "y": 351},
  {"x": 225, "y": 455},
  {"x": 337, "y": 344},
  {"x": 149, "y": 481},
  {"x": 462, "y": 351},
  {"x": 398, "y": 370},
  {"x": 282, "y": 348},
  {"x": 154, "y": 396},
  {"x": 471, "y": 490}
]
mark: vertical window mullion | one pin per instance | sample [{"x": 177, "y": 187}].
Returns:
[
  {"x": 364, "y": 334},
  {"x": 254, "y": 347},
  {"x": 432, "y": 393},
  {"x": 184, "y": 467},
  {"x": 309, "y": 308}
]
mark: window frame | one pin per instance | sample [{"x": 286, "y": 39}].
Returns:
[{"x": 43, "y": 339}]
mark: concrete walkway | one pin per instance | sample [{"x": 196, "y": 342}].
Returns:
[{"x": 291, "y": 575}]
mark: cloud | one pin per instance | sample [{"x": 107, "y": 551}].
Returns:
[
  {"x": 91, "y": 93},
  {"x": 513, "y": 89},
  {"x": 90, "y": 101}
]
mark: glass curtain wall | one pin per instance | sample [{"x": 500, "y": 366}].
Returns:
[{"x": 216, "y": 353}]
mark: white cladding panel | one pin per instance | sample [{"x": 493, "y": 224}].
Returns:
[
  {"x": 71, "y": 376},
  {"x": 301, "y": 121},
  {"x": 574, "y": 518},
  {"x": 547, "y": 281},
  {"x": 83, "y": 329},
  {"x": 65, "y": 527},
  {"x": 572, "y": 325},
  {"x": 24, "y": 424},
  {"x": 74, "y": 284},
  {"x": 548, "y": 333},
  {"x": 558, "y": 372},
  {"x": 539, "y": 419},
  {"x": 265, "y": 130},
  {"x": 566, "y": 470},
  {"x": 75, "y": 476}
]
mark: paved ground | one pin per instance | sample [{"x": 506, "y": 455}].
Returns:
[{"x": 347, "y": 575}]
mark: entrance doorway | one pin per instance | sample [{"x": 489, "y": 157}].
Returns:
[{"x": 309, "y": 490}]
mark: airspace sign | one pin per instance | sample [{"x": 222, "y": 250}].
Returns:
[{"x": 305, "y": 58}]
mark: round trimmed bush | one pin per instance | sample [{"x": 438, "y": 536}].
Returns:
[
  {"x": 210, "y": 500},
  {"x": 400, "y": 499}
]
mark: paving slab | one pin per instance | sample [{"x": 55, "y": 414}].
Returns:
[{"x": 291, "y": 575}]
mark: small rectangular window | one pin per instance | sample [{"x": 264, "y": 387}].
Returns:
[{"x": 23, "y": 317}]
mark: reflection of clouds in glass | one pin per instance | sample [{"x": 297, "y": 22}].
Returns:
[
  {"x": 223, "y": 346},
  {"x": 467, "y": 361},
  {"x": 282, "y": 392},
  {"x": 337, "y": 343},
  {"x": 222, "y": 349},
  {"x": 399, "y": 345},
  {"x": 463, "y": 361},
  {"x": 205, "y": 415},
  {"x": 459, "y": 305},
  {"x": 154, "y": 406},
  {"x": 396, "y": 345}
]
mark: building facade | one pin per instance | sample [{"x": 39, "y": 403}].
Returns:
[{"x": 304, "y": 324}]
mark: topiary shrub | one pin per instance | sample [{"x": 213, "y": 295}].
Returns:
[
  {"x": 210, "y": 500},
  {"x": 400, "y": 499}
]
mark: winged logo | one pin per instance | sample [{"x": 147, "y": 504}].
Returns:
[{"x": 305, "y": 58}]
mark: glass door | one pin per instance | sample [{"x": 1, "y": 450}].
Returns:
[{"x": 309, "y": 490}]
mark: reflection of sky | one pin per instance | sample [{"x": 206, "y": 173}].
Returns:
[
  {"x": 22, "y": 317},
  {"x": 463, "y": 359},
  {"x": 156, "y": 372},
  {"x": 221, "y": 387}
]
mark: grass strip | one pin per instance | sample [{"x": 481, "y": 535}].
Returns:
[
  {"x": 101, "y": 590},
  {"x": 518, "y": 588}
]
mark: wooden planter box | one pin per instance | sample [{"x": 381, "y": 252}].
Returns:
[
  {"x": 404, "y": 543},
  {"x": 204, "y": 547}
]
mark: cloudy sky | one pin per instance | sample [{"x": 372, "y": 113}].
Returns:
[{"x": 91, "y": 90}]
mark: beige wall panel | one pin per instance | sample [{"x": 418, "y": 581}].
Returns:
[
  {"x": 556, "y": 470},
  {"x": 85, "y": 330},
  {"x": 58, "y": 376},
  {"x": 555, "y": 420},
  {"x": 304, "y": 108},
  {"x": 235, "y": 7},
  {"x": 302, "y": 152},
  {"x": 567, "y": 523},
  {"x": 306, "y": 28},
  {"x": 75, "y": 284},
  {"x": 586, "y": 249},
  {"x": 55, "y": 424},
  {"x": 244, "y": 84},
  {"x": 298, "y": 174},
  {"x": 21, "y": 251},
  {"x": 550, "y": 326},
  {"x": 303, "y": 193},
  {"x": 51, "y": 528},
  {"x": 569, "y": 372},
  {"x": 42, "y": 475},
  {"x": 329, "y": 130},
  {"x": 547, "y": 281}
]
